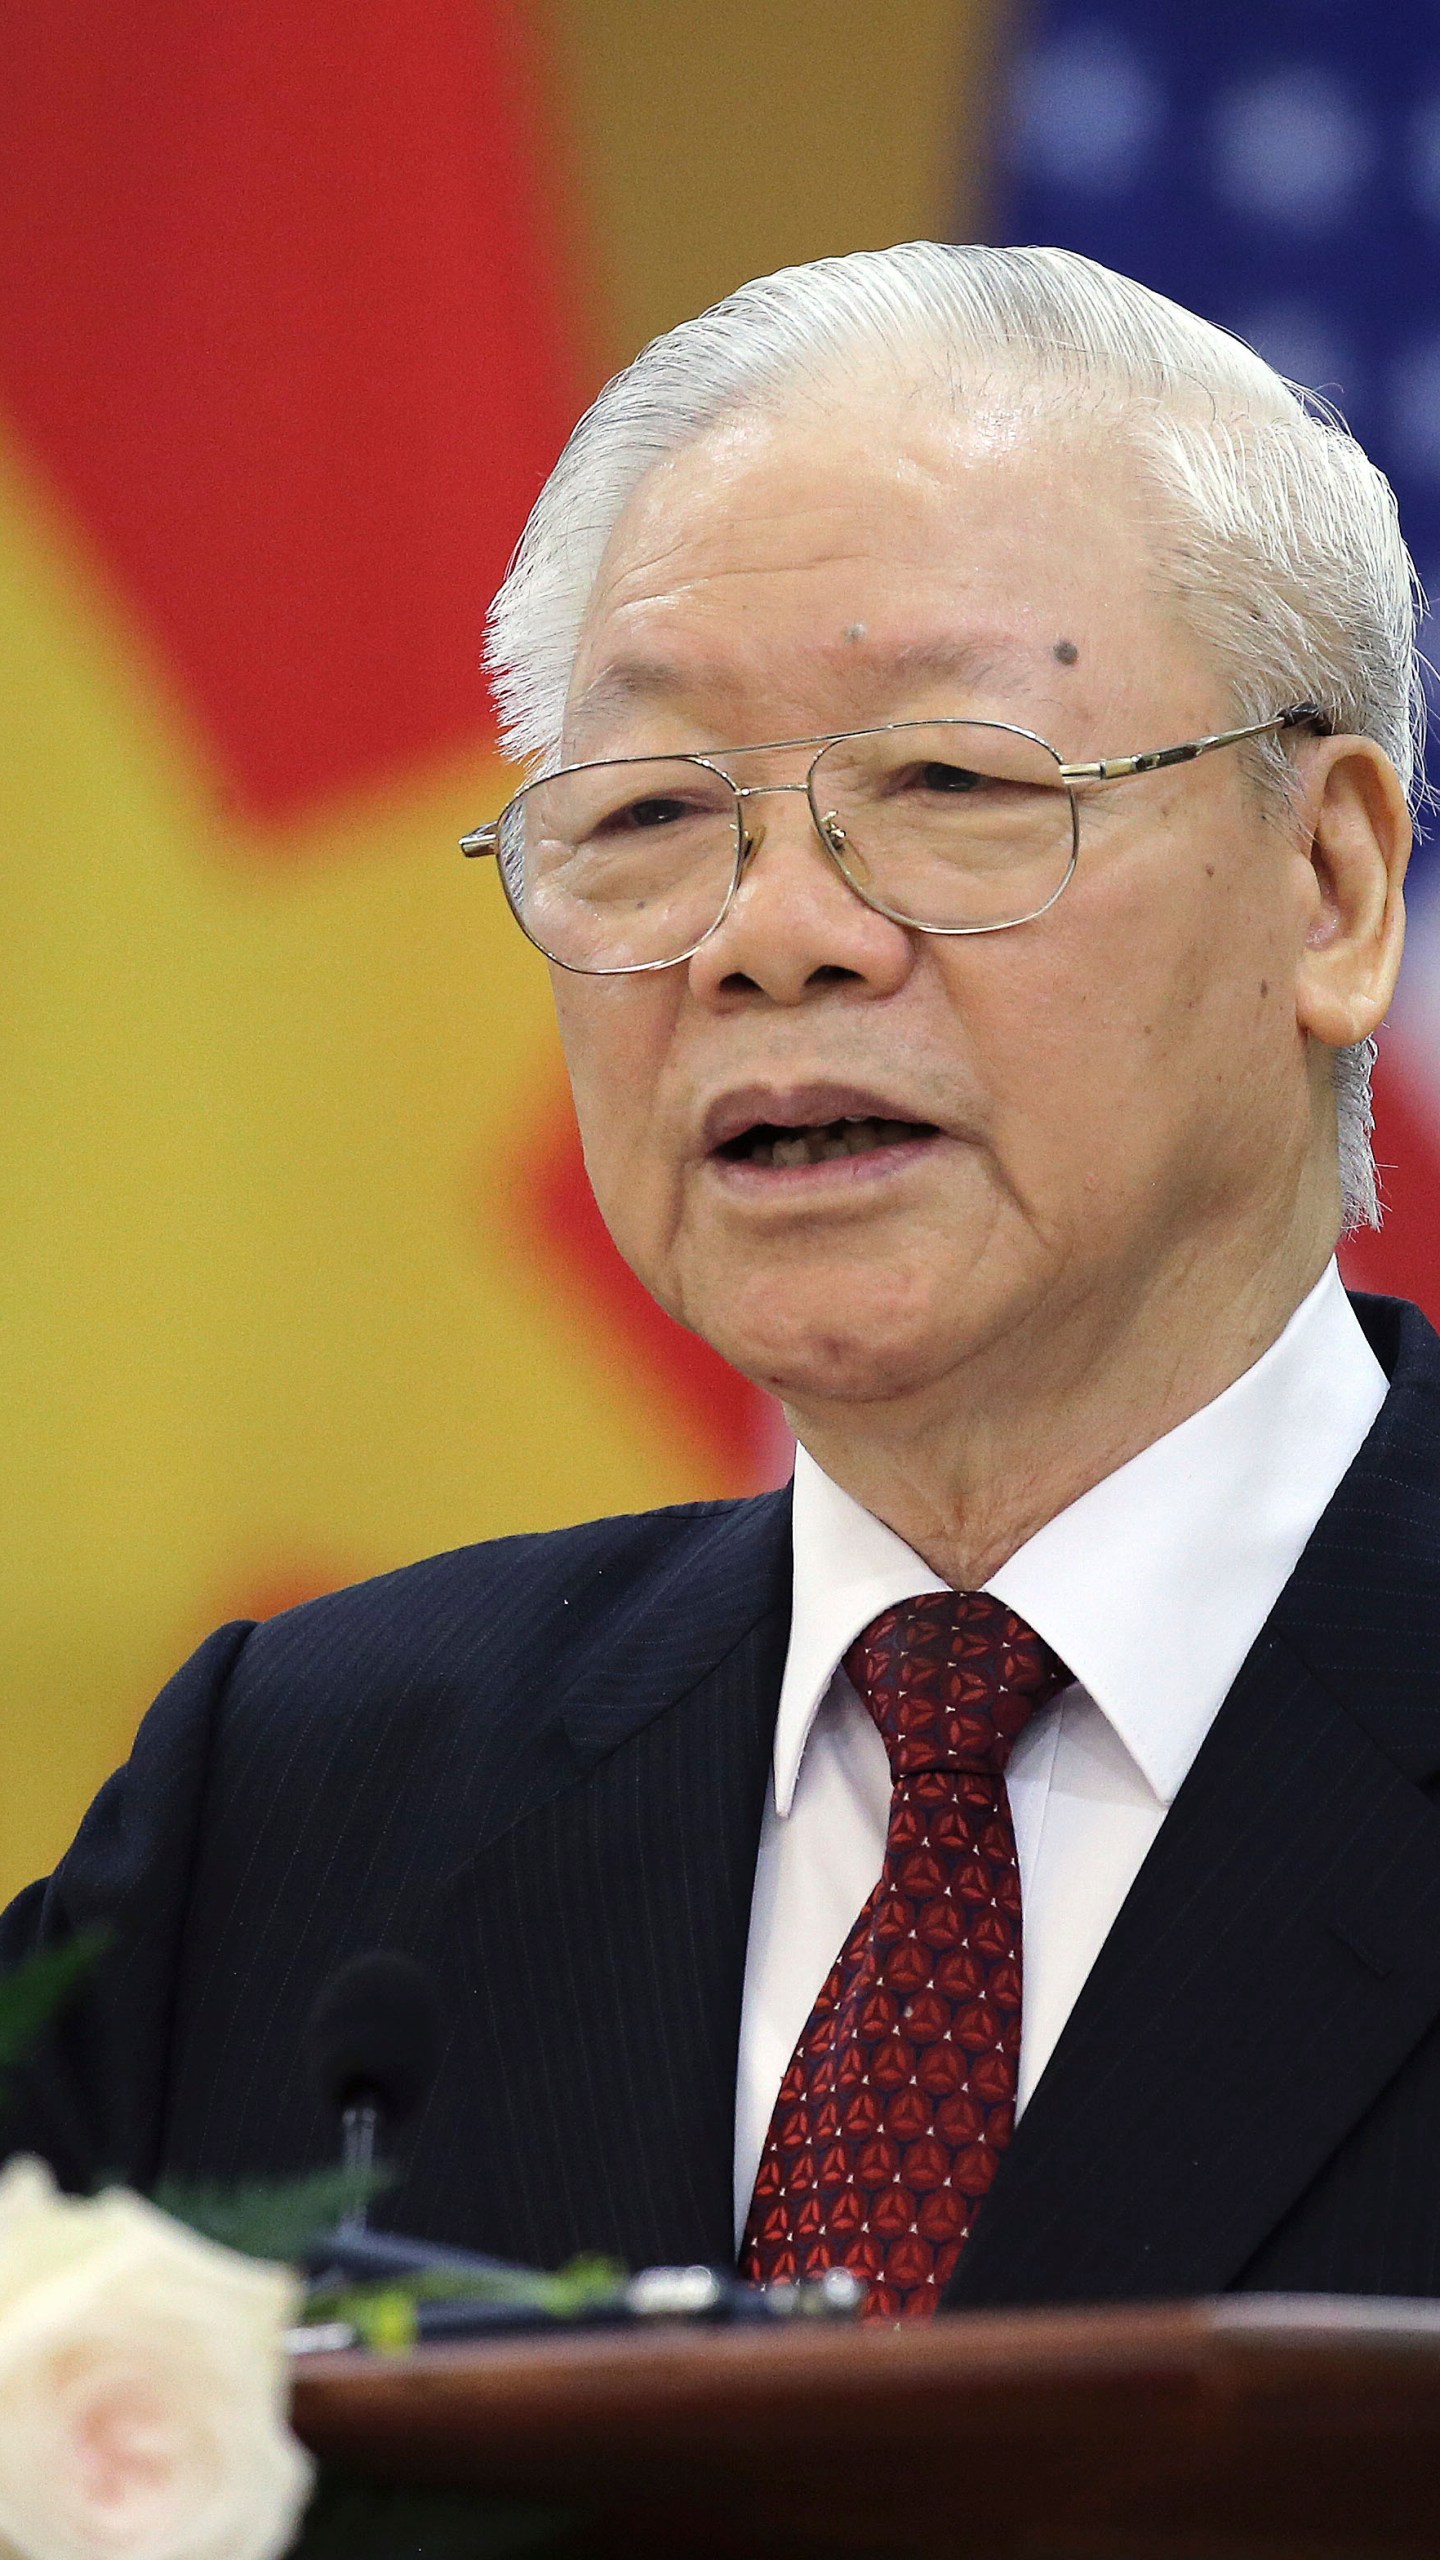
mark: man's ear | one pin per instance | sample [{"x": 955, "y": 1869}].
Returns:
[{"x": 1357, "y": 841}]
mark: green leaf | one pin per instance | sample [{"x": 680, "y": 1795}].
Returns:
[
  {"x": 372, "y": 2309},
  {"x": 273, "y": 2217},
  {"x": 36, "y": 1989},
  {"x": 385, "y": 2320},
  {"x": 582, "y": 2282}
]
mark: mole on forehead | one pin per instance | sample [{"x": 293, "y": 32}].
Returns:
[{"x": 1066, "y": 652}]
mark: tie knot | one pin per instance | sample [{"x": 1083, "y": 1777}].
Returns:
[{"x": 951, "y": 1680}]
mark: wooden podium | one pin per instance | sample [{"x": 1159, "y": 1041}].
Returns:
[{"x": 1251, "y": 2428}]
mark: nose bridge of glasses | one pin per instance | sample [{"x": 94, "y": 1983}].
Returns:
[{"x": 822, "y": 832}]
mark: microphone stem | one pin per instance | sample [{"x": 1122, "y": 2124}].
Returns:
[{"x": 359, "y": 2126}]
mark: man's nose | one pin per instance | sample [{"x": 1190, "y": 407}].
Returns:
[{"x": 794, "y": 925}]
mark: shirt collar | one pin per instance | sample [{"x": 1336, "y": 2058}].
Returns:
[{"x": 1153, "y": 1585}]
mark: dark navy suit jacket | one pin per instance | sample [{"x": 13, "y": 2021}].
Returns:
[{"x": 540, "y": 1765}]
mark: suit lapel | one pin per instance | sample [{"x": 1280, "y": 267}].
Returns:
[
  {"x": 595, "y": 1948},
  {"x": 1279, "y": 1954}
]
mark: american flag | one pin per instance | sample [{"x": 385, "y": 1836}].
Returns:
[{"x": 1278, "y": 169}]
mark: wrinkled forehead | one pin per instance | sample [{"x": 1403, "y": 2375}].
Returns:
[{"x": 878, "y": 537}]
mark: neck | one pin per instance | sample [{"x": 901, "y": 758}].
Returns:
[{"x": 971, "y": 1466}]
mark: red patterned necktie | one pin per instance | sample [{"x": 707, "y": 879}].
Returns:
[{"x": 900, "y": 2096}]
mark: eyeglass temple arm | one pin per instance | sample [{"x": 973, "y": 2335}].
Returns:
[
  {"x": 1115, "y": 768},
  {"x": 486, "y": 839}
]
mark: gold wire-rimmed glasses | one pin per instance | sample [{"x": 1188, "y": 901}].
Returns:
[{"x": 946, "y": 826}]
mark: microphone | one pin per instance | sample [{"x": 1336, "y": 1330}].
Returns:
[{"x": 373, "y": 2043}]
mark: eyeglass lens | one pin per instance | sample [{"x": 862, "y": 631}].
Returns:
[{"x": 953, "y": 826}]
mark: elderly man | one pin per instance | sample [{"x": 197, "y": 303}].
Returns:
[{"x": 970, "y": 701}]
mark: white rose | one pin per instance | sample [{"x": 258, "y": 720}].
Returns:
[{"x": 142, "y": 2385}]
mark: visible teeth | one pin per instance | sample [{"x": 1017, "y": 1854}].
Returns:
[{"x": 827, "y": 1145}]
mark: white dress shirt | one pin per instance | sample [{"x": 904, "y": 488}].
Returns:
[{"x": 1152, "y": 1588}]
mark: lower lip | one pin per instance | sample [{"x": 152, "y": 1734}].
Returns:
[{"x": 743, "y": 1176}]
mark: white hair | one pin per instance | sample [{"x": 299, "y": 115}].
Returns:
[{"x": 1280, "y": 537}]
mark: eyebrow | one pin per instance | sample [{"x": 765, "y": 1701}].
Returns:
[{"x": 628, "y": 681}]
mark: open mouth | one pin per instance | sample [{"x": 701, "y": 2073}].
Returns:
[{"x": 824, "y": 1143}]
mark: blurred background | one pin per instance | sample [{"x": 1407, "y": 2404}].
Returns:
[{"x": 300, "y": 1275}]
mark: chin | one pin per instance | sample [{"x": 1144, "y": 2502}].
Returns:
[{"x": 808, "y": 1354}]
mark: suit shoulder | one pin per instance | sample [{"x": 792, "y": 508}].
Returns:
[
  {"x": 546, "y": 1593},
  {"x": 627, "y": 1543}
]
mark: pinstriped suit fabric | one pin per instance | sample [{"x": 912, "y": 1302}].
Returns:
[
  {"x": 540, "y": 1767},
  {"x": 370, "y": 1771},
  {"x": 1255, "y": 2054}
]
